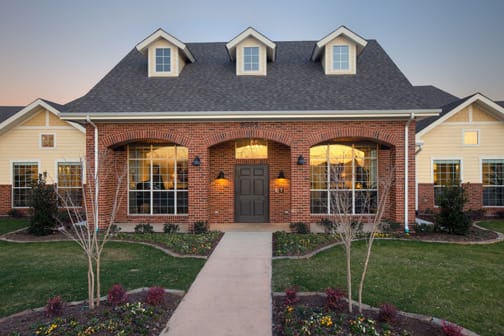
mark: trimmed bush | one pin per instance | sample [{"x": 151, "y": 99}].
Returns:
[
  {"x": 335, "y": 299},
  {"x": 299, "y": 227},
  {"x": 200, "y": 227},
  {"x": 291, "y": 296},
  {"x": 54, "y": 306},
  {"x": 43, "y": 208},
  {"x": 144, "y": 228},
  {"x": 155, "y": 296},
  {"x": 170, "y": 228},
  {"x": 452, "y": 218},
  {"x": 117, "y": 295},
  {"x": 329, "y": 225},
  {"x": 14, "y": 213},
  {"x": 387, "y": 313}
]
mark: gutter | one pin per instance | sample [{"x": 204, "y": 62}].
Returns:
[
  {"x": 96, "y": 179},
  {"x": 406, "y": 171}
]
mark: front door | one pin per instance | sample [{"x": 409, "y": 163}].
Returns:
[{"x": 251, "y": 194}]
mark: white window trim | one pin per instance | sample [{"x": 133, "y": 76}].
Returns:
[
  {"x": 481, "y": 179},
  {"x": 40, "y": 141},
  {"x": 56, "y": 182},
  {"x": 171, "y": 61},
  {"x": 445, "y": 159},
  {"x": 12, "y": 162},
  {"x": 258, "y": 60},
  {"x": 470, "y": 130},
  {"x": 332, "y": 60}
]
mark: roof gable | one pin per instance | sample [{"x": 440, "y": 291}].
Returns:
[
  {"x": 450, "y": 110},
  {"x": 143, "y": 46},
  {"x": 251, "y": 32},
  {"x": 8, "y": 111},
  {"x": 340, "y": 31}
]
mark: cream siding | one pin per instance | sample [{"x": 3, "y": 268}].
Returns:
[
  {"x": 37, "y": 119},
  {"x": 462, "y": 116},
  {"x": 251, "y": 42},
  {"x": 327, "y": 60},
  {"x": 446, "y": 142},
  {"x": 174, "y": 59},
  {"x": 479, "y": 114},
  {"x": 21, "y": 144}
]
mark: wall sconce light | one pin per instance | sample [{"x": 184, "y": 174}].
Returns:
[
  {"x": 220, "y": 176},
  {"x": 301, "y": 160},
  {"x": 196, "y": 162},
  {"x": 281, "y": 175}
]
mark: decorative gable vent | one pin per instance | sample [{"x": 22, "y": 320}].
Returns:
[
  {"x": 166, "y": 55},
  {"x": 338, "y": 52},
  {"x": 251, "y": 50}
]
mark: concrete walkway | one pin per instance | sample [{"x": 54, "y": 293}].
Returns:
[{"x": 232, "y": 293}]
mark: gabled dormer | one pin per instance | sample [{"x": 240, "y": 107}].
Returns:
[
  {"x": 251, "y": 51},
  {"x": 338, "y": 52},
  {"x": 166, "y": 55}
]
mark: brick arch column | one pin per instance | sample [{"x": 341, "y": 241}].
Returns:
[
  {"x": 379, "y": 136},
  {"x": 142, "y": 135},
  {"x": 242, "y": 133}
]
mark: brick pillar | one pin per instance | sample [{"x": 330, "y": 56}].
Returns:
[
  {"x": 300, "y": 184},
  {"x": 5, "y": 199},
  {"x": 199, "y": 182}
]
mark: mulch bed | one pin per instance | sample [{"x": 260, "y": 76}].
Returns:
[
  {"x": 474, "y": 235},
  {"x": 25, "y": 324},
  {"x": 412, "y": 326},
  {"x": 24, "y": 236}
]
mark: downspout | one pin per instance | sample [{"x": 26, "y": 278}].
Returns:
[
  {"x": 406, "y": 171},
  {"x": 96, "y": 180}
]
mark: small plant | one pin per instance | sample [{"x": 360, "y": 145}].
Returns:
[
  {"x": 14, "y": 213},
  {"x": 117, "y": 295},
  {"x": 170, "y": 228},
  {"x": 200, "y": 227},
  {"x": 363, "y": 326},
  {"x": 335, "y": 299},
  {"x": 144, "y": 228},
  {"x": 329, "y": 225},
  {"x": 389, "y": 225},
  {"x": 423, "y": 227},
  {"x": 291, "y": 296},
  {"x": 452, "y": 217},
  {"x": 54, "y": 306},
  {"x": 451, "y": 329},
  {"x": 388, "y": 313},
  {"x": 114, "y": 229},
  {"x": 299, "y": 227},
  {"x": 155, "y": 296},
  {"x": 43, "y": 207}
]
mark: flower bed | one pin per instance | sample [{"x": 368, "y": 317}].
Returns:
[
  {"x": 181, "y": 243},
  {"x": 294, "y": 244}
]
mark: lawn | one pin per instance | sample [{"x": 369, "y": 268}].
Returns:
[
  {"x": 11, "y": 224},
  {"x": 459, "y": 283},
  {"x": 33, "y": 272},
  {"x": 494, "y": 225}
]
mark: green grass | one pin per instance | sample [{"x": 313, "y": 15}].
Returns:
[
  {"x": 494, "y": 225},
  {"x": 12, "y": 224},
  {"x": 292, "y": 244},
  {"x": 31, "y": 273},
  {"x": 459, "y": 283}
]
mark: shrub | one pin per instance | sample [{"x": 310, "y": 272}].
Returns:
[
  {"x": 389, "y": 225},
  {"x": 387, "y": 313},
  {"x": 299, "y": 227},
  {"x": 43, "y": 208},
  {"x": 144, "y": 228},
  {"x": 200, "y": 227},
  {"x": 452, "y": 218},
  {"x": 170, "y": 228},
  {"x": 500, "y": 214},
  {"x": 114, "y": 229},
  {"x": 451, "y": 329},
  {"x": 117, "y": 295},
  {"x": 155, "y": 296},
  {"x": 335, "y": 299},
  {"x": 14, "y": 213},
  {"x": 291, "y": 296},
  {"x": 423, "y": 227},
  {"x": 54, "y": 306},
  {"x": 477, "y": 214},
  {"x": 329, "y": 225}
]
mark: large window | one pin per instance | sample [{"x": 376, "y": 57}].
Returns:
[
  {"x": 70, "y": 184},
  {"x": 493, "y": 182},
  {"x": 163, "y": 59},
  {"x": 24, "y": 175},
  {"x": 157, "y": 179},
  {"x": 344, "y": 178},
  {"x": 251, "y": 149},
  {"x": 446, "y": 172},
  {"x": 341, "y": 57},
  {"x": 251, "y": 59}
]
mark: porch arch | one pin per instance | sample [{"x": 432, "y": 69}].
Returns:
[
  {"x": 379, "y": 136},
  {"x": 142, "y": 135},
  {"x": 276, "y": 136}
]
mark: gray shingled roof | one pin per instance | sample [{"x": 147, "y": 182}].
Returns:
[
  {"x": 501, "y": 103},
  {"x": 293, "y": 83},
  {"x": 8, "y": 111},
  {"x": 435, "y": 98}
]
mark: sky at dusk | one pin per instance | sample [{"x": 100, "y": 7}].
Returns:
[{"x": 59, "y": 49}]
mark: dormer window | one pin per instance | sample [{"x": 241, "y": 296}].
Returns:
[
  {"x": 338, "y": 51},
  {"x": 166, "y": 56},
  {"x": 251, "y": 51},
  {"x": 251, "y": 59},
  {"x": 163, "y": 59},
  {"x": 341, "y": 59}
]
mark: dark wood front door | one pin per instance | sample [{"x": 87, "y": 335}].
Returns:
[{"x": 251, "y": 194}]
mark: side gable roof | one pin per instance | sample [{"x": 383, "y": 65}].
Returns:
[
  {"x": 52, "y": 107},
  {"x": 433, "y": 98},
  {"x": 161, "y": 34},
  {"x": 340, "y": 31},
  {"x": 8, "y": 111},
  {"x": 453, "y": 108},
  {"x": 501, "y": 103},
  {"x": 251, "y": 32}
]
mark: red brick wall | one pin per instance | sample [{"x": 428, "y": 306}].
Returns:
[
  {"x": 5, "y": 199},
  {"x": 213, "y": 142}
]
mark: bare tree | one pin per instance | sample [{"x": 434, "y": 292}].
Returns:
[{"x": 85, "y": 226}]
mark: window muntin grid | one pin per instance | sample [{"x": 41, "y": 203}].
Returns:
[
  {"x": 445, "y": 172},
  {"x": 251, "y": 58},
  {"x": 341, "y": 58},
  {"x": 24, "y": 175},
  {"x": 70, "y": 183},
  {"x": 163, "y": 59},
  {"x": 493, "y": 182}
]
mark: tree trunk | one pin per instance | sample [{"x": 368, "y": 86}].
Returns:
[
  {"x": 349, "y": 275},
  {"x": 363, "y": 275},
  {"x": 98, "y": 285},
  {"x": 91, "y": 283}
]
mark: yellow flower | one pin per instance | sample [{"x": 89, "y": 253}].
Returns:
[{"x": 290, "y": 309}]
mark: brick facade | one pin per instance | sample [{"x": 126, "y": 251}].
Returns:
[
  {"x": 213, "y": 142},
  {"x": 5, "y": 199}
]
